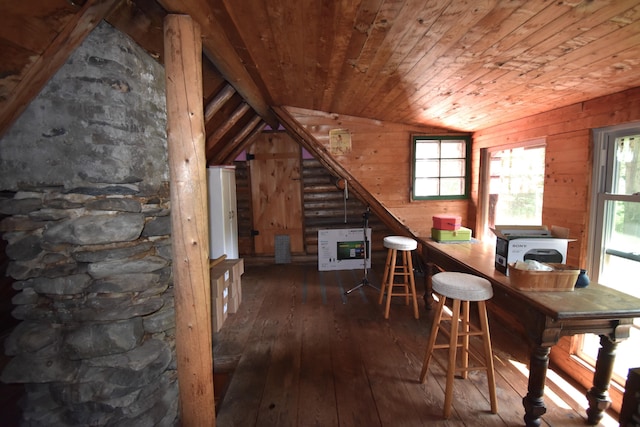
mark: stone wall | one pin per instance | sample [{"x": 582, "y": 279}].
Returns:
[{"x": 84, "y": 180}]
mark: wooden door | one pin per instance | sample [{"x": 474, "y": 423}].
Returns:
[{"x": 276, "y": 191}]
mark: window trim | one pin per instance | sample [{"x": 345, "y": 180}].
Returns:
[
  {"x": 483, "y": 231},
  {"x": 415, "y": 138}
]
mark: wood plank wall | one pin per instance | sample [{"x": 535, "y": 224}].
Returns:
[
  {"x": 244, "y": 209},
  {"x": 567, "y": 196},
  {"x": 380, "y": 159},
  {"x": 569, "y": 157},
  {"x": 324, "y": 208}
]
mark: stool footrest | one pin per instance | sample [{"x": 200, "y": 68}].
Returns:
[
  {"x": 399, "y": 247},
  {"x": 458, "y": 329}
]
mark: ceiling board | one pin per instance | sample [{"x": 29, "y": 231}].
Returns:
[{"x": 462, "y": 65}]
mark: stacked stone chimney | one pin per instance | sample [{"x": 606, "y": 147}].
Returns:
[{"x": 84, "y": 180}]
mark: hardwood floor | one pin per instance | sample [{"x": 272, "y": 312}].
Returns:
[{"x": 299, "y": 352}]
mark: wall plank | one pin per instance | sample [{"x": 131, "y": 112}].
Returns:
[
  {"x": 568, "y": 158},
  {"x": 380, "y": 159},
  {"x": 567, "y": 196}
]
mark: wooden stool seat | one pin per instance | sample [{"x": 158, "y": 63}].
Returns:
[
  {"x": 405, "y": 270},
  {"x": 462, "y": 289}
]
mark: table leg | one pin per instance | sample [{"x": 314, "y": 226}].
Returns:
[
  {"x": 428, "y": 287},
  {"x": 598, "y": 395},
  {"x": 533, "y": 402}
]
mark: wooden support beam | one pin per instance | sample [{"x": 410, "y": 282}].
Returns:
[
  {"x": 231, "y": 150},
  {"x": 219, "y": 50},
  {"x": 321, "y": 153},
  {"x": 189, "y": 220},
  {"x": 56, "y": 54},
  {"x": 216, "y": 136},
  {"x": 218, "y": 102}
]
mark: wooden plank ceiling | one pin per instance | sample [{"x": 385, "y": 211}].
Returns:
[{"x": 463, "y": 65}]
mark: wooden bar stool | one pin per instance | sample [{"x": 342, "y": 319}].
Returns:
[
  {"x": 462, "y": 289},
  {"x": 404, "y": 270}
]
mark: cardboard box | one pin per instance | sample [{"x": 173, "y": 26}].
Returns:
[
  {"x": 226, "y": 284},
  {"x": 520, "y": 243},
  {"x": 220, "y": 281},
  {"x": 460, "y": 235},
  {"x": 219, "y": 312},
  {"x": 447, "y": 222},
  {"x": 236, "y": 267}
]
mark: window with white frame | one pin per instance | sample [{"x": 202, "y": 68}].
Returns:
[
  {"x": 514, "y": 185},
  {"x": 441, "y": 167},
  {"x": 614, "y": 231}
]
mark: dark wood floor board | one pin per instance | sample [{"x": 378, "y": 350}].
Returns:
[
  {"x": 243, "y": 398},
  {"x": 317, "y": 404},
  {"x": 280, "y": 398},
  {"x": 389, "y": 377},
  {"x": 308, "y": 354},
  {"x": 354, "y": 396}
]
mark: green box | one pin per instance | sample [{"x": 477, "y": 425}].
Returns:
[{"x": 460, "y": 235}]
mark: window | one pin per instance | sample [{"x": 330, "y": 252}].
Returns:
[
  {"x": 515, "y": 177},
  {"x": 441, "y": 167},
  {"x": 614, "y": 232}
]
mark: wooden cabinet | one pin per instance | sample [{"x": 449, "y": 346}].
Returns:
[{"x": 223, "y": 216}]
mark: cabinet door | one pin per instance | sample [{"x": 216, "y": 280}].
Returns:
[
  {"x": 223, "y": 225},
  {"x": 231, "y": 215}
]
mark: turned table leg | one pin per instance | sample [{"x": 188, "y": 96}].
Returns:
[
  {"x": 533, "y": 402},
  {"x": 428, "y": 287},
  {"x": 598, "y": 395}
]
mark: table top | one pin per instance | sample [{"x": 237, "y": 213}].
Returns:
[{"x": 593, "y": 302}]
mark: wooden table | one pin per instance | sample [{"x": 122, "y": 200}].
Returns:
[{"x": 545, "y": 317}]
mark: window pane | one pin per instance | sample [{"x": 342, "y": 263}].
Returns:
[
  {"x": 621, "y": 257},
  {"x": 451, "y": 186},
  {"x": 428, "y": 150},
  {"x": 615, "y": 256},
  {"x": 516, "y": 186},
  {"x": 453, "y": 149},
  {"x": 427, "y": 187},
  {"x": 452, "y": 168},
  {"x": 626, "y": 178},
  {"x": 435, "y": 158},
  {"x": 427, "y": 168}
]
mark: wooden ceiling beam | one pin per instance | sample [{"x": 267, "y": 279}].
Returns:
[
  {"x": 234, "y": 147},
  {"x": 218, "y": 102},
  {"x": 219, "y": 50},
  {"x": 220, "y": 131},
  {"x": 141, "y": 20},
  {"x": 56, "y": 54},
  {"x": 320, "y": 152}
]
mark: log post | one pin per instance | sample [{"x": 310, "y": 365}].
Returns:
[{"x": 189, "y": 219}]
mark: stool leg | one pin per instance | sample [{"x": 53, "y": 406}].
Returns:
[
  {"x": 484, "y": 326},
  {"x": 405, "y": 275},
  {"x": 385, "y": 276},
  {"x": 412, "y": 284},
  {"x": 453, "y": 350},
  {"x": 390, "y": 283},
  {"x": 465, "y": 327},
  {"x": 435, "y": 327}
]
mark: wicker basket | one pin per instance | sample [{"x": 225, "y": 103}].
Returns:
[{"x": 562, "y": 278}]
